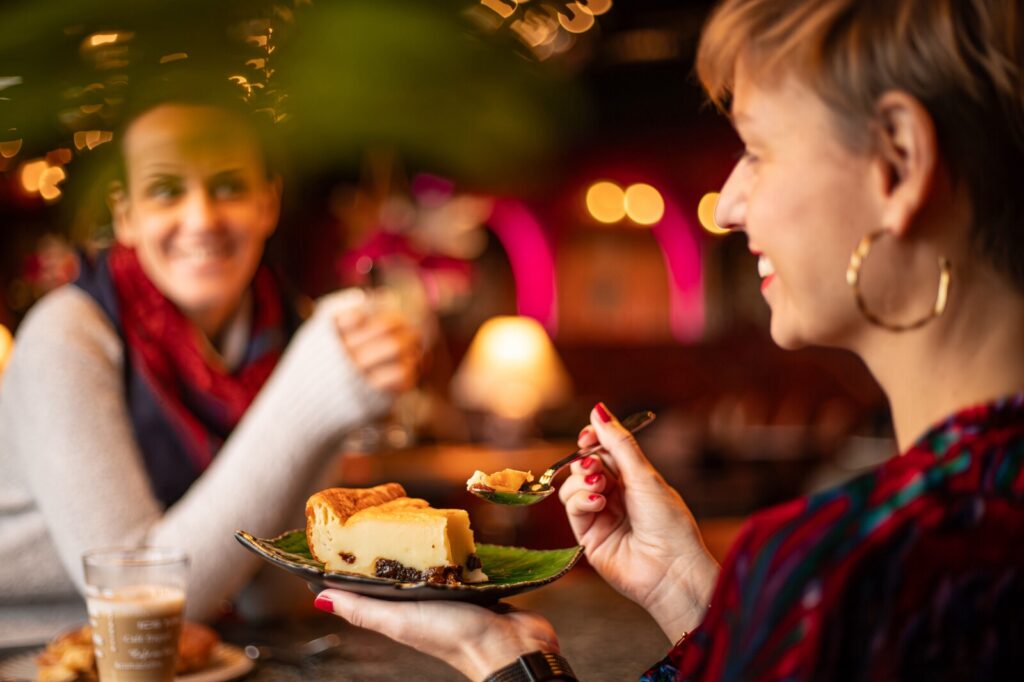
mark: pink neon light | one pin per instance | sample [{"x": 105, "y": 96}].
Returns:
[
  {"x": 533, "y": 265},
  {"x": 676, "y": 237}
]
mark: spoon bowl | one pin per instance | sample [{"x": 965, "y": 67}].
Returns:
[{"x": 532, "y": 493}]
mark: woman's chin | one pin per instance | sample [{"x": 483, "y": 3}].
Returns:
[{"x": 786, "y": 337}]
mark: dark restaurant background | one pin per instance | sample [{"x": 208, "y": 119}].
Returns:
[{"x": 445, "y": 150}]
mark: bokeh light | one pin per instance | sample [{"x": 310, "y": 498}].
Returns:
[
  {"x": 31, "y": 172},
  {"x": 643, "y": 204},
  {"x": 503, "y": 9},
  {"x": 598, "y": 7},
  {"x": 10, "y": 148},
  {"x": 90, "y": 139},
  {"x": 706, "y": 214},
  {"x": 579, "y": 19},
  {"x": 39, "y": 177},
  {"x": 606, "y": 202},
  {"x": 6, "y": 345}
]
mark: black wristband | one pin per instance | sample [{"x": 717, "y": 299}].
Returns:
[{"x": 534, "y": 667}]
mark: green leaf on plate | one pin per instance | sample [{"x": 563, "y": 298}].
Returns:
[
  {"x": 509, "y": 565},
  {"x": 294, "y": 542},
  {"x": 503, "y": 565}
]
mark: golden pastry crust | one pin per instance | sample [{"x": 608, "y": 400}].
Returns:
[
  {"x": 68, "y": 658},
  {"x": 195, "y": 648},
  {"x": 344, "y": 502}
]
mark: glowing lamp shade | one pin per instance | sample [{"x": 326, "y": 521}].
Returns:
[{"x": 511, "y": 370}]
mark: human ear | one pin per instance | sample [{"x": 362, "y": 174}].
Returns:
[
  {"x": 119, "y": 206},
  {"x": 907, "y": 157}
]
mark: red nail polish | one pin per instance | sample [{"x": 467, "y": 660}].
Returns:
[
  {"x": 324, "y": 604},
  {"x": 587, "y": 462},
  {"x": 602, "y": 413},
  {"x": 582, "y": 431},
  {"x": 592, "y": 479},
  {"x": 593, "y": 497}
]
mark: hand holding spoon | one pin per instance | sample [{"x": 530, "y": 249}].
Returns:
[{"x": 531, "y": 493}]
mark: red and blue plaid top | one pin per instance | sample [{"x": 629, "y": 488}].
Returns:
[{"x": 912, "y": 571}]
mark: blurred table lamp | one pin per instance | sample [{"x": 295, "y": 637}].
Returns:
[{"x": 511, "y": 372}]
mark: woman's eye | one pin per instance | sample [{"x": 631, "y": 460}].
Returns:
[
  {"x": 746, "y": 155},
  {"x": 164, "y": 190},
  {"x": 229, "y": 188}
]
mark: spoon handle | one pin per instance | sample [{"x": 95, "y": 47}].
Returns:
[{"x": 633, "y": 423}]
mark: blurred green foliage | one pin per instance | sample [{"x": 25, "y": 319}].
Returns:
[{"x": 414, "y": 77}]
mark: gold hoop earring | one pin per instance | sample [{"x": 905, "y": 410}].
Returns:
[{"x": 857, "y": 259}]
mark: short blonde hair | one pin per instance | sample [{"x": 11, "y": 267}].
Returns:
[{"x": 962, "y": 59}]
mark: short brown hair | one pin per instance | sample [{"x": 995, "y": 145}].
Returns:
[{"x": 962, "y": 59}]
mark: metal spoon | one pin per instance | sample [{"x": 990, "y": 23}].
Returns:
[{"x": 531, "y": 493}]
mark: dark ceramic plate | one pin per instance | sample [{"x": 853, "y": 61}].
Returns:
[{"x": 510, "y": 570}]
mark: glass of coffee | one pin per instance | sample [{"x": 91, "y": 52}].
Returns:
[{"x": 135, "y": 598}]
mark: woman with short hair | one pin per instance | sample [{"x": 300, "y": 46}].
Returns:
[{"x": 879, "y": 188}]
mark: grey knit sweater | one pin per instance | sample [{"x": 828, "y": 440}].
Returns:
[{"x": 72, "y": 479}]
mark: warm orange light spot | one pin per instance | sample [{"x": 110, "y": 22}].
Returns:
[
  {"x": 174, "y": 57},
  {"x": 92, "y": 138},
  {"x": 48, "y": 182},
  {"x": 31, "y": 172},
  {"x": 535, "y": 29},
  {"x": 10, "y": 148},
  {"x": 579, "y": 19},
  {"x": 97, "y": 39},
  {"x": 6, "y": 345},
  {"x": 59, "y": 156},
  {"x": 606, "y": 202},
  {"x": 503, "y": 9},
  {"x": 598, "y": 7},
  {"x": 644, "y": 204},
  {"x": 706, "y": 214}
]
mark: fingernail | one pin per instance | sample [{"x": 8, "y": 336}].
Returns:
[
  {"x": 593, "y": 497},
  {"x": 592, "y": 479},
  {"x": 582, "y": 431},
  {"x": 602, "y": 413},
  {"x": 587, "y": 462},
  {"x": 324, "y": 603}
]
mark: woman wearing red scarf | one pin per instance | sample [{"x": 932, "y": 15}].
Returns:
[
  {"x": 170, "y": 395},
  {"x": 880, "y": 191}
]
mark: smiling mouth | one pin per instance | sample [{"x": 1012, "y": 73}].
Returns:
[
  {"x": 766, "y": 270},
  {"x": 199, "y": 256}
]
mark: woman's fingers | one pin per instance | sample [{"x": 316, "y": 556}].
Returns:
[
  {"x": 582, "y": 509},
  {"x": 591, "y": 464},
  {"x": 587, "y": 437},
  {"x": 388, "y": 618},
  {"x": 624, "y": 455},
  {"x": 392, "y": 378},
  {"x": 383, "y": 347}
]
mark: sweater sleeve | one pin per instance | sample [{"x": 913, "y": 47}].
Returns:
[{"x": 65, "y": 413}]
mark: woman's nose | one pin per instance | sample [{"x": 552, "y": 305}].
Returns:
[
  {"x": 198, "y": 211},
  {"x": 731, "y": 209}
]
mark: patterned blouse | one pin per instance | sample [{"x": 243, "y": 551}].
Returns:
[{"x": 912, "y": 571}]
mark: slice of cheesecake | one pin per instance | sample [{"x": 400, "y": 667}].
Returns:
[{"x": 380, "y": 532}]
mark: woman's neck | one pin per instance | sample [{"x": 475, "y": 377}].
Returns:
[
  {"x": 227, "y": 334},
  {"x": 970, "y": 355}
]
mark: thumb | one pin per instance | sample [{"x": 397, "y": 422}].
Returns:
[{"x": 626, "y": 455}]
